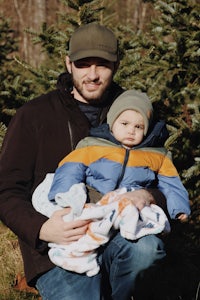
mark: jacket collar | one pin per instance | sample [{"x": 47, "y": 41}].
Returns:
[{"x": 156, "y": 136}]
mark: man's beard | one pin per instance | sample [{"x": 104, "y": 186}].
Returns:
[{"x": 97, "y": 99}]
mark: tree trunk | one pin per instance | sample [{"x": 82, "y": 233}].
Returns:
[{"x": 31, "y": 14}]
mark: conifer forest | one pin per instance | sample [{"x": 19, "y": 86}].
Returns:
[{"x": 160, "y": 55}]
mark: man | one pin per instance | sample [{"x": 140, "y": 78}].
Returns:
[{"x": 41, "y": 133}]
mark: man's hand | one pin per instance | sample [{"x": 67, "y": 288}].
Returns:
[
  {"x": 140, "y": 198},
  {"x": 55, "y": 230}
]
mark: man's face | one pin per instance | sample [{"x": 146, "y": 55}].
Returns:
[{"x": 91, "y": 77}]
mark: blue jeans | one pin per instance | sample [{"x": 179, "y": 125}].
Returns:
[{"x": 121, "y": 262}]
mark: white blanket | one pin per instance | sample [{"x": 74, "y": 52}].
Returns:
[{"x": 107, "y": 214}]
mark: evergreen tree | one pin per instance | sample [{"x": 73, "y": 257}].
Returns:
[
  {"x": 54, "y": 40},
  {"x": 7, "y": 47},
  {"x": 162, "y": 61},
  {"x": 15, "y": 88},
  {"x": 20, "y": 82},
  {"x": 165, "y": 63}
]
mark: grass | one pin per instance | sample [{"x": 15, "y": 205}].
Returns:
[{"x": 10, "y": 267}]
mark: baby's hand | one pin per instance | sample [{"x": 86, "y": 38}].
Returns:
[{"x": 182, "y": 217}]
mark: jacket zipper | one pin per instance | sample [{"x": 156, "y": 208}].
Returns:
[
  {"x": 123, "y": 168},
  {"x": 71, "y": 136}
]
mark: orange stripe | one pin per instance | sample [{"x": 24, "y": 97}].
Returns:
[
  {"x": 168, "y": 168},
  {"x": 78, "y": 155},
  {"x": 155, "y": 161},
  {"x": 93, "y": 236},
  {"x": 122, "y": 204},
  {"x": 90, "y": 154},
  {"x": 137, "y": 158}
]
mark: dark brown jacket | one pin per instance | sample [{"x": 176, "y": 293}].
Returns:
[{"x": 41, "y": 133}]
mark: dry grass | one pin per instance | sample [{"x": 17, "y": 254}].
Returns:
[{"x": 10, "y": 267}]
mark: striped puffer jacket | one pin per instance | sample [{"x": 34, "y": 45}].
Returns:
[{"x": 106, "y": 166}]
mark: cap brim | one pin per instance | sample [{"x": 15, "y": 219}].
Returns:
[{"x": 93, "y": 53}]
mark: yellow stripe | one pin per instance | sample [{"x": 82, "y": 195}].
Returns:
[
  {"x": 168, "y": 168},
  {"x": 137, "y": 158},
  {"x": 90, "y": 154},
  {"x": 155, "y": 161}
]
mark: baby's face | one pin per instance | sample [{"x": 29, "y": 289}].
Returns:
[{"x": 128, "y": 128}]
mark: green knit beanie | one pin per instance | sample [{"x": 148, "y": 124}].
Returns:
[{"x": 134, "y": 100}]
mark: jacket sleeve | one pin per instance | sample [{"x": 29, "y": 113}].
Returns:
[
  {"x": 16, "y": 177},
  {"x": 71, "y": 170},
  {"x": 170, "y": 185}
]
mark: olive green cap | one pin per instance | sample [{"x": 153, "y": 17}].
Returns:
[{"x": 93, "y": 40}]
